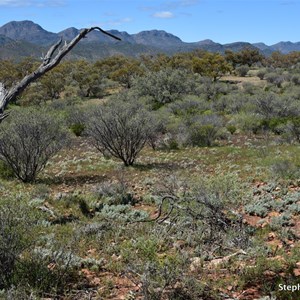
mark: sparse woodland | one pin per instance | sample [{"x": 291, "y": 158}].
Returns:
[{"x": 158, "y": 177}]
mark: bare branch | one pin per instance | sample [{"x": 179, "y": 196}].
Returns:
[
  {"x": 157, "y": 218},
  {"x": 50, "y": 52},
  {"x": 49, "y": 62}
]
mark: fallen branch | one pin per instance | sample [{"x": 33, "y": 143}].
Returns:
[{"x": 158, "y": 217}]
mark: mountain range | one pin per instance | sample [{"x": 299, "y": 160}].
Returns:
[{"x": 20, "y": 39}]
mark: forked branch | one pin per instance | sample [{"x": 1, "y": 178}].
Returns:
[{"x": 50, "y": 60}]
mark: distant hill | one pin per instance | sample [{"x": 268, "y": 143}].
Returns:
[
  {"x": 286, "y": 47},
  {"x": 29, "y": 32},
  {"x": 25, "y": 38}
]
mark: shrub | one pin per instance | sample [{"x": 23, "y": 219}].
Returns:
[
  {"x": 29, "y": 141},
  {"x": 77, "y": 118},
  {"x": 248, "y": 122},
  {"x": 15, "y": 237},
  {"x": 291, "y": 130},
  {"x": 231, "y": 128},
  {"x": 50, "y": 268},
  {"x": 115, "y": 193},
  {"x": 204, "y": 130},
  {"x": 77, "y": 129},
  {"x": 275, "y": 79},
  {"x": 164, "y": 86},
  {"x": 242, "y": 70},
  {"x": 212, "y": 90},
  {"x": 189, "y": 106},
  {"x": 120, "y": 129},
  {"x": 261, "y": 74}
]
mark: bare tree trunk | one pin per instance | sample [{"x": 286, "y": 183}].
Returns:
[{"x": 49, "y": 62}]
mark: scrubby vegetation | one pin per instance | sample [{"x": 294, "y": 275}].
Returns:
[{"x": 165, "y": 177}]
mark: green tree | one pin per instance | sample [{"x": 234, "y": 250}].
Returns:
[
  {"x": 211, "y": 65},
  {"x": 247, "y": 56},
  {"x": 127, "y": 72},
  {"x": 164, "y": 86},
  {"x": 8, "y": 73}
]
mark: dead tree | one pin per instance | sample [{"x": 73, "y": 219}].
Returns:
[{"x": 50, "y": 60}]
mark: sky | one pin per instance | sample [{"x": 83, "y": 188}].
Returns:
[{"x": 223, "y": 21}]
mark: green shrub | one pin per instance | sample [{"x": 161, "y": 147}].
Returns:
[
  {"x": 121, "y": 213},
  {"x": 204, "y": 130},
  {"x": 29, "y": 140},
  {"x": 164, "y": 86},
  {"x": 231, "y": 128},
  {"x": 77, "y": 129},
  {"x": 114, "y": 193},
  {"x": 248, "y": 122},
  {"x": 261, "y": 74},
  {"x": 242, "y": 70}
]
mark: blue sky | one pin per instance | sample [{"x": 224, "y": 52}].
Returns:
[{"x": 268, "y": 21}]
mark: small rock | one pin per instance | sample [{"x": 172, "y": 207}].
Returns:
[
  {"x": 196, "y": 264},
  {"x": 269, "y": 273},
  {"x": 296, "y": 272},
  {"x": 271, "y": 236}
]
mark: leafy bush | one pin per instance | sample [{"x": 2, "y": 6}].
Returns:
[
  {"x": 164, "y": 86},
  {"x": 121, "y": 213},
  {"x": 242, "y": 70},
  {"x": 247, "y": 122},
  {"x": 29, "y": 140},
  {"x": 189, "y": 106},
  {"x": 114, "y": 193},
  {"x": 204, "y": 130},
  {"x": 271, "y": 105},
  {"x": 274, "y": 78},
  {"x": 231, "y": 128},
  {"x": 77, "y": 118},
  {"x": 211, "y": 91},
  {"x": 261, "y": 74}
]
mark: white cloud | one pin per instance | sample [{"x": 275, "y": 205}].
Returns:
[
  {"x": 38, "y": 3},
  {"x": 163, "y": 15},
  {"x": 14, "y": 3}
]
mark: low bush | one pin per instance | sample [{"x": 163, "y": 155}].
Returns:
[
  {"x": 242, "y": 70},
  {"x": 29, "y": 140},
  {"x": 120, "y": 129},
  {"x": 204, "y": 130}
]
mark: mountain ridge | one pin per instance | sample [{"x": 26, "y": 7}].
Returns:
[{"x": 32, "y": 35}]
